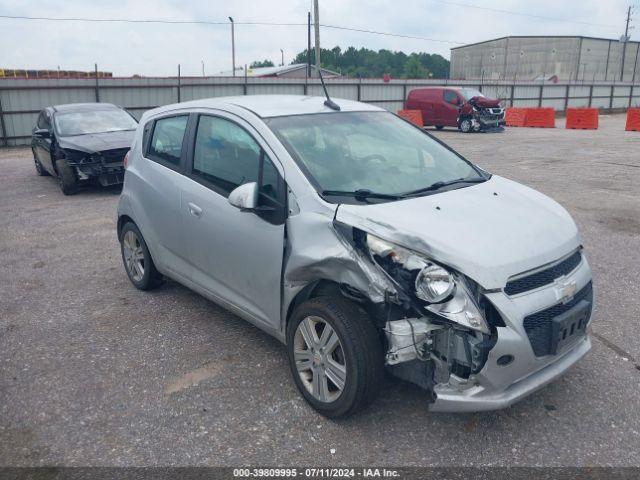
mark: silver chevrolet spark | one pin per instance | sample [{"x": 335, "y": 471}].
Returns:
[{"x": 363, "y": 244}]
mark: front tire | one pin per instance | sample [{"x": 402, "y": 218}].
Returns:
[
  {"x": 466, "y": 126},
  {"x": 137, "y": 260},
  {"x": 335, "y": 355},
  {"x": 66, "y": 178},
  {"x": 39, "y": 168},
  {"x": 439, "y": 127}
]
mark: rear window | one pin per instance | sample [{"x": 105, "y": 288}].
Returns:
[{"x": 167, "y": 138}]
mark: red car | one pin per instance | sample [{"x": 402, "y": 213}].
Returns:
[{"x": 462, "y": 107}]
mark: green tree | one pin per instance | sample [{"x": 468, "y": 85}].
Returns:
[
  {"x": 413, "y": 68},
  {"x": 366, "y": 63},
  {"x": 263, "y": 63}
]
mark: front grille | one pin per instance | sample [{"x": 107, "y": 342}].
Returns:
[
  {"x": 540, "y": 325},
  {"x": 113, "y": 156},
  {"x": 544, "y": 277}
]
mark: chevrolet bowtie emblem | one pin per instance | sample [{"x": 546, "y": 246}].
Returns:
[{"x": 565, "y": 289}]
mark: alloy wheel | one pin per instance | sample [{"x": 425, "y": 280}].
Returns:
[
  {"x": 319, "y": 359},
  {"x": 133, "y": 255}
]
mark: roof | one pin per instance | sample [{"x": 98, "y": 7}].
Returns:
[
  {"x": 80, "y": 107},
  {"x": 541, "y": 36},
  {"x": 267, "y": 106},
  {"x": 276, "y": 71},
  {"x": 444, "y": 87}
]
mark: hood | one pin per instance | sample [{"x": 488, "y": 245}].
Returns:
[
  {"x": 484, "y": 102},
  {"x": 98, "y": 142},
  {"x": 489, "y": 231}
]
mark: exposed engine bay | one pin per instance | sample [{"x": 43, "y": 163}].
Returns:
[
  {"x": 484, "y": 113},
  {"x": 437, "y": 325}
]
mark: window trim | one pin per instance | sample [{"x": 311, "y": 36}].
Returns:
[{"x": 180, "y": 167}]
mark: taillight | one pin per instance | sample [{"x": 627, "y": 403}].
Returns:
[{"x": 126, "y": 159}]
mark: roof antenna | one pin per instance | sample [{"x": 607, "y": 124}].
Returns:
[{"x": 328, "y": 102}]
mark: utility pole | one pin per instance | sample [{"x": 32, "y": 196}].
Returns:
[
  {"x": 233, "y": 48},
  {"x": 625, "y": 39},
  {"x": 316, "y": 21},
  {"x": 308, "y": 44}
]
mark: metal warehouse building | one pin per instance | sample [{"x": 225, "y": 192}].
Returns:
[{"x": 538, "y": 57}]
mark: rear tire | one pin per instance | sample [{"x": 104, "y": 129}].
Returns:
[
  {"x": 66, "y": 178},
  {"x": 439, "y": 127},
  {"x": 357, "y": 354},
  {"x": 137, "y": 259}
]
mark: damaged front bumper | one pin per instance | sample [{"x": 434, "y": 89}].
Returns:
[
  {"x": 487, "y": 121},
  {"x": 482, "y": 395},
  {"x": 107, "y": 167},
  {"x": 107, "y": 174},
  {"x": 511, "y": 368}
]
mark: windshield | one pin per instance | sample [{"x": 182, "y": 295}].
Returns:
[
  {"x": 469, "y": 93},
  {"x": 373, "y": 151},
  {"x": 96, "y": 121}
]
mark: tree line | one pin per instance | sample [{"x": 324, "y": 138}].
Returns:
[{"x": 366, "y": 63}]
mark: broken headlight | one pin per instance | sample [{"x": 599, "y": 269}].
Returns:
[
  {"x": 444, "y": 291},
  {"x": 434, "y": 284}
]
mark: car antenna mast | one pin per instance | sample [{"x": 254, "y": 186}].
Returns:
[{"x": 328, "y": 102}]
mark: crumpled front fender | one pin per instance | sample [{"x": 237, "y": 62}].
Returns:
[{"x": 317, "y": 251}]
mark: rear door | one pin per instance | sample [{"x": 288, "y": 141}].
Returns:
[
  {"x": 449, "y": 108},
  {"x": 156, "y": 181},
  {"x": 236, "y": 255}
]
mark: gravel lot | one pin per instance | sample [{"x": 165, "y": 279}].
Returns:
[{"x": 94, "y": 372}]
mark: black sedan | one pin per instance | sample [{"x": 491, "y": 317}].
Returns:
[{"x": 82, "y": 141}]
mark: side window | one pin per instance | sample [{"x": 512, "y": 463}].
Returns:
[
  {"x": 44, "y": 121},
  {"x": 166, "y": 141},
  {"x": 225, "y": 154},
  {"x": 450, "y": 97}
]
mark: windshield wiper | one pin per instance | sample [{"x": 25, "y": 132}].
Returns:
[
  {"x": 361, "y": 194},
  {"x": 441, "y": 184}
]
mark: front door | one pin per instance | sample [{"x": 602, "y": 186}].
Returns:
[
  {"x": 236, "y": 255},
  {"x": 44, "y": 144},
  {"x": 449, "y": 108}
]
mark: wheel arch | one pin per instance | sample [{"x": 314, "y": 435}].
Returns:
[
  {"x": 325, "y": 287},
  {"x": 122, "y": 220}
]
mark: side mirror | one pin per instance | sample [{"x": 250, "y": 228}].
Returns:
[
  {"x": 41, "y": 132},
  {"x": 245, "y": 197}
]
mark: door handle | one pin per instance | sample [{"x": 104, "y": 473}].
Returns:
[{"x": 194, "y": 210}]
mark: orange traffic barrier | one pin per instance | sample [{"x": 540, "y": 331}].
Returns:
[
  {"x": 414, "y": 116},
  {"x": 633, "y": 120},
  {"x": 514, "y": 117},
  {"x": 540, "y": 117},
  {"x": 582, "y": 118}
]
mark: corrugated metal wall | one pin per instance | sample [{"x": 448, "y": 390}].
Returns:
[
  {"x": 527, "y": 58},
  {"x": 22, "y": 99}
]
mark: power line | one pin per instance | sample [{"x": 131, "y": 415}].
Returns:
[
  {"x": 336, "y": 27},
  {"x": 126, "y": 20},
  {"x": 209, "y": 22},
  {"x": 522, "y": 14}
]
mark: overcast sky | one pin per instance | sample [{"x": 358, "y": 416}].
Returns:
[{"x": 154, "y": 49}]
